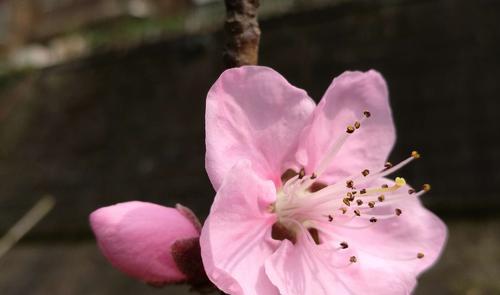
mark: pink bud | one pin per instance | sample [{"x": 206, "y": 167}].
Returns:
[{"x": 136, "y": 237}]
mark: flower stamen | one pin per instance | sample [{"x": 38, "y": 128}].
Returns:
[
  {"x": 310, "y": 210},
  {"x": 337, "y": 145}
]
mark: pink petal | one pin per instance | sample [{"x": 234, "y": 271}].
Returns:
[
  {"x": 136, "y": 238},
  {"x": 387, "y": 250},
  {"x": 386, "y": 253},
  {"x": 295, "y": 270},
  {"x": 399, "y": 239},
  {"x": 236, "y": 238},
  {"x": 344, "y": 102},
  {"x": 253, "y": 113}
]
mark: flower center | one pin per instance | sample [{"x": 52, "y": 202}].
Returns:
[{"x": 305, "y": 205}]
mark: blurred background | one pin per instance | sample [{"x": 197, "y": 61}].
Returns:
[{"x": 102, "y": 101}]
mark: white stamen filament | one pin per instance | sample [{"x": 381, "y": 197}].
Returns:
[
  {"x": 335, "y": 196},
  {"x": 383, "y": 172},
  {"x": 353, "y": 244},
  {"x": 344, "y": 204},
  {"x": 333, "y": 150}
]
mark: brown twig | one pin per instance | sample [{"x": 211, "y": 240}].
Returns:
[{"x": 242, "y": 33}]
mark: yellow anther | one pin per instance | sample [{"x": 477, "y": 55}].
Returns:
[
  {"x": 415, "y": 155},
  {"x": 426, "y": 187},
  {"x": 400, "y": 181}
]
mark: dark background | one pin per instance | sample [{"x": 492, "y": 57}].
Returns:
[{"x": 127, "y": 123}]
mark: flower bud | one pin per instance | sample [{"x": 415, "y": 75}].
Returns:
[{"x": 136, "y": 237}]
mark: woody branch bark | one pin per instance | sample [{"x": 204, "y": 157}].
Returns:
[{"x": 242, "y": 33}]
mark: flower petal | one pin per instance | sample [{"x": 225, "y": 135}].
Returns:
[
  {"x": 374, "y": 275},
  {"x": 344, "y": 102},
  {"x": 236, "y": 238},
  {"x": 136, "y": 238},
  {"x": 399, "y": 239},
  {"x": 387, "y": 250},
  {"x": 296, "y": 270},
  {"x": 253, "y": 113},
  {"x": 322, "y": 269}
]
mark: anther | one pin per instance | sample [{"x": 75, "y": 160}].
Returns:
[
  {"x": 398, "y": 211},
  {"x": 350, "y": 196},
  {"x": 350, "y": 184},
  {"x": 373, "y": 220},
  {"x": 388, "y": 165},
  {"x": 400, "y": 181},
  {"x": 365, "y": 172},
  {"x": 381, "y": 198},
  {"x": 367, "y": 114},
  {"x": 371, "y": 204},
  {"x": 359, "y": 202},
  {"x": 317, "y": 186},
  {"x": 313, "y": 176},
  {"x": 287, "y": 175},
  {"x": 330, "y": 218},
  {"x": 426, "y": 187},
  {"x": 411, "y": 191},
  {"x": 346, "y": 201},
  {"x": 350, "y": 129},
  {"x": 357, "y": 125},
  {"x": 353, "y": 259},
  {"x": 385, "y": 185},
  {"x": 420, "y": 255},
  {"x": 344, "y": 210},
  {"x": 363, "y": 191},
  {"x": 356, "y": 211},
  {"x": 415, "y": 155},
  {"x": 302, "y": 173},
  {"x": 344, "y": 245}
]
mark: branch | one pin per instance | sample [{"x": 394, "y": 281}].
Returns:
[{"x": 242, "y": 33}]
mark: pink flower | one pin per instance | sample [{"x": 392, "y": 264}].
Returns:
[
  {"x": 137, "y": 238},
  {"x": 302, "y": 204}
]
